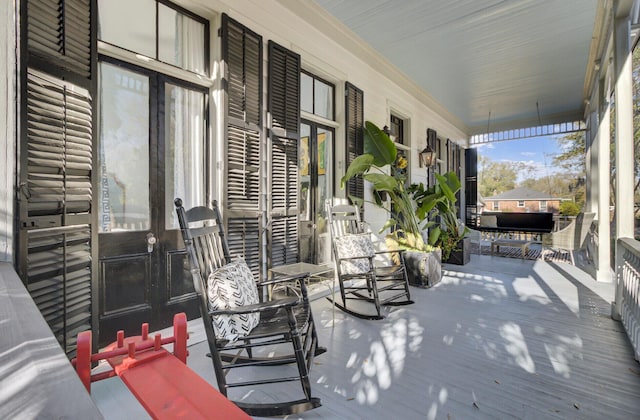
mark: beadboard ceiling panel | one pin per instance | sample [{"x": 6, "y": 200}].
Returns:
[{"x": 491, "y": 63}]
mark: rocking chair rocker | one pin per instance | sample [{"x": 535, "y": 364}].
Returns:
[
  {"x": 360, "y": 278},
  {"x": 236, "y": 322}
]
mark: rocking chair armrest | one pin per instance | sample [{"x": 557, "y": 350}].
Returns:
[
  {"x": 259, "y": 307},
  {"x": 357, "y": 257}
]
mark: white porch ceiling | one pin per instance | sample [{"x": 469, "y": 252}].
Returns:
[{"x": 477, "y": 57}]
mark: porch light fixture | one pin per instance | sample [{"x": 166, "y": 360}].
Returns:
[
  {"x": 386, "y": 130},
  {"x": 426, "y": 158}
]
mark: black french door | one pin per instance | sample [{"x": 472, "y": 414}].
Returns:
[{"x": 152, "y": 149}]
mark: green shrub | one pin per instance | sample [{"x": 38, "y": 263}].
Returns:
[{"x": 569, "y": 208}]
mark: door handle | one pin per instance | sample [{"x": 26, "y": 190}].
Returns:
[{"x": 151, "y": 241}]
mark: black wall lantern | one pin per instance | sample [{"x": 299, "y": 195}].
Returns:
[{"x": 427, "y": 157}]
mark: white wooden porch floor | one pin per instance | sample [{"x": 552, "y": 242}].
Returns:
[{"x": 498, "y": 338}]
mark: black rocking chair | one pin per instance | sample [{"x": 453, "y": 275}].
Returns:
[
  {"x": 281, "y": 322},
  {"x": 362, "y": 278}
]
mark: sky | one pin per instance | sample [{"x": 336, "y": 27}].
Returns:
[{"x": 537, "y": 151}]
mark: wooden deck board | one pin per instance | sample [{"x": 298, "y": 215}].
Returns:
[{"x": 520, "y": 339}]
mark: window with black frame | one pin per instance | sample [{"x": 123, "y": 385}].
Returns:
[
  {"x": 159, "y": 30},
  {"x": 400, "y": 168},
  {"x": 315, "y": 167}
]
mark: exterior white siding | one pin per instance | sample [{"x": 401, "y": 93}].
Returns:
[
  {"x": 330, "y": 51},
  {"x": 8, "y": 107}
]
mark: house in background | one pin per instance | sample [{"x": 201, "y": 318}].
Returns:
[{"x": 523, "y": 200}]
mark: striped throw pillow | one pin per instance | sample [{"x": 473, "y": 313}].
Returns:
[{"x": 233, "y": 286}]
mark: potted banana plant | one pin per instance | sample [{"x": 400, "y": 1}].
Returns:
[
  {"x": 383, "y": 168},
  {"x": 437, "y": 205}
]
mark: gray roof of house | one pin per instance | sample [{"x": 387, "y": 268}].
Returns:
[{"x": 522, "y": 194}]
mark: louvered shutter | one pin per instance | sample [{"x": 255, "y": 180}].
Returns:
[
  {"x": 56, "y": 204},
  {"x": 432, "y": 139},
  {"x": 453, "y": 165},
  {"x": 453, "y": 157},
  {"x": 56, "y": 163},
  {"x": 284, "y": 137},
  {"x": 355, "y": 135},
  {"x": 471, "y": 186},
  {"x": 242, "y": 55},
  {"x": 59, "y": 32}
]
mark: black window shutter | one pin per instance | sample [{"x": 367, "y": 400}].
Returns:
[
  {"x": 55, "y": 205},
  {"x": 56, "y": 162},
  {"x": 471, "y": 186},
  {"x": 59, "y": 33},
  {"x": 242, "y": 54},
  {"x": 355, "y": 135},
  {"x": 432, "y": 139},
  {"x": 284, "y": 136}
]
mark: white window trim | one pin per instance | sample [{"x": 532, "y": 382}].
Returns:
[{"x": 113, "y": 51}]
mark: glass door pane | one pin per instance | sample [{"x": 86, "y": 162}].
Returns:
[
  {"x": 124, "y": 131},
  {"x": 324, "y": 191},
  {"x": 184, "y": 159},
  {"x": 316, "y": 186}
]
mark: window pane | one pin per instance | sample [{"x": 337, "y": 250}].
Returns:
[
  {"x": 181, "y": 40},
  {"x": 323, "y": 99},
  {"x": 184, "y": 150},
  {"x": 306, "y": 93},
  {"x": 124, "y": 132},
  {"x": 397, "y": 129},
  {"x": 129, "y": 24},
  {"x": 304, "y": 171}
]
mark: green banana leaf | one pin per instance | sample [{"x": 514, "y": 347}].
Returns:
[
  {"x": 444, "y": 186},
  {"x": 358, "y": 166},
  {"x": 434, "y": 234},
  {"x": 378, "y": 144},
  {"x": 381, "y": 182}
]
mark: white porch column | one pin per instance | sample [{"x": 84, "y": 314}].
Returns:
[
  {"x": 590, "y": 203},
  {"x": 624, "y": 129},
  {"x": 624, "y": 150},
  {"x": 602, "y": 167},
  {"x": 8, "y": 135}
]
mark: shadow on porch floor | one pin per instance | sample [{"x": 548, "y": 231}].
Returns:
[{"x": 497, "y": 338}]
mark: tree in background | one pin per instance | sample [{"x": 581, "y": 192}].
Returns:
[
  {"x": 572, "y": 155},
  {"x": 572, "y": 160},
  {"x": 498, "y": 177},
  {"x": 636, "y": 128}
]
